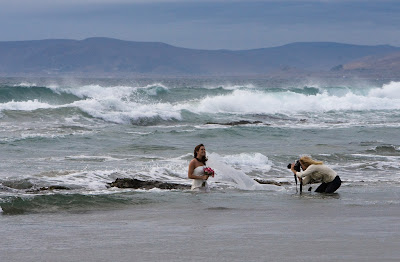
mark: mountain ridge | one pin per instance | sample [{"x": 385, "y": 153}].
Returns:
[{"x": 101, "y": 55}]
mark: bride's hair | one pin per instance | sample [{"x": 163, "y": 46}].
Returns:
[{"x": 196, "y": 149}]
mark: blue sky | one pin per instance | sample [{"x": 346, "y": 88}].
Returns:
[{"x": 224, "y": 24}]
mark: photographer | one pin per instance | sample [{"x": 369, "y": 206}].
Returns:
[{"x": 314, "y": 171}]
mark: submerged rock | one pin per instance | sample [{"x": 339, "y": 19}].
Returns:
[{"x": 136, "y": 183}]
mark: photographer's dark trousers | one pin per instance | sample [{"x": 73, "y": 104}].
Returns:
[{"x": 329, "y": 187}]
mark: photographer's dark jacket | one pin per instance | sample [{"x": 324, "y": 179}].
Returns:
[{"x": 317, "y": 173}]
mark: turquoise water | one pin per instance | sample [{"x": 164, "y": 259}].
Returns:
[{"x": 84, "y": 133}]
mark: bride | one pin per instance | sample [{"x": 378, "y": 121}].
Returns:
[{"x": 196, "y": 170}]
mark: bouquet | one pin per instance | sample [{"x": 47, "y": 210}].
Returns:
[{"x": 209, "y": 171}]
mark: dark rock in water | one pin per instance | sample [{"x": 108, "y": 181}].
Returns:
[
  {"x": 35, "y": 190},
  {"x": 271, "y": 182},
  {"x": 235, "y": 123},
  {"x": 17, "y": 184},
  {"x": 55, "y": 187},
  {"x": 136, "y": 183}
]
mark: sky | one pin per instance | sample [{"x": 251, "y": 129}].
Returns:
[{"x": 202, "y": 24}]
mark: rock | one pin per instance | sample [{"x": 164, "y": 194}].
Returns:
[
  {"x": 136, "y": 183},
  {"x": 55, "y": 187},
  {"x": 235, "y": 123},
  {"x": 36, "y": 190}
]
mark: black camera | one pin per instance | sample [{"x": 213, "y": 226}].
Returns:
[{"x": 297, "y": 166}]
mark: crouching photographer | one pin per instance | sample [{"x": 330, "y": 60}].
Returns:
[{"x": 316, "y": 171}]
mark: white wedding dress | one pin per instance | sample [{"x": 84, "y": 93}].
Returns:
[{"x": 199, "y": 185}]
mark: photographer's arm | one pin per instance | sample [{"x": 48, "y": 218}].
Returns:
[
  {"x": 306, "y": 172},
  {"x": 305, "y": 176}
]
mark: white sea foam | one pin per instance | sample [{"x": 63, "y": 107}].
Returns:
[
  {"x": 120, "y": 104},
  {"x": 92, "y": 158},
  {"x": 38, "y": 135},
  {"x": 248, "y": 162},
  {"x": 99, "y": 92},
  {"x": 124, "y": 104},
  {"x": 90, "y": 180},
  {"x": 230, "y": 86},
  {"x": 26, "y": 84},
  {"x": 29, "y": 105},
  {"x": 388, "y": 91},
  {"x": 258, "y": 102},
  {"x": 114, "y": 110}
]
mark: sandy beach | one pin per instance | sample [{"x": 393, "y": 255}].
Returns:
[{"x": 230, "y": 226}]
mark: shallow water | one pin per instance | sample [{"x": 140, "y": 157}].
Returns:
[{"x": 353, "y": 225}]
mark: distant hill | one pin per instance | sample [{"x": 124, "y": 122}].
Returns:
[
  {"x": 389, "y": 63},
  {"x": 97, "y": 56}
]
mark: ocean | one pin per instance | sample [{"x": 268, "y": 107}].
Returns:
[{"x": 63, "y": 140}]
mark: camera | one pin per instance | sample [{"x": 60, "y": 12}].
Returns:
[{"x": 296, "y": 166}]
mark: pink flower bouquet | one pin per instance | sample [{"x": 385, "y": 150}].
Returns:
[{"x": 209, "y": 171}]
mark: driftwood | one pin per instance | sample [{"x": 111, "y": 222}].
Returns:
[{"x": 271, "y": 182}]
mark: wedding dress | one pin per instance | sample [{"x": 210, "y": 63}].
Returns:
[{"x": 199, "y": 185}]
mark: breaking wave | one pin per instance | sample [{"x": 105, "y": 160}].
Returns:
[{"x": 152, "y": 103}]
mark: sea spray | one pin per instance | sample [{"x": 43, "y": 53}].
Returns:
[{"x": 390, "y": 91}]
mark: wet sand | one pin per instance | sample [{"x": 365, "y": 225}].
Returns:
[{"x": 354, "y": 225}]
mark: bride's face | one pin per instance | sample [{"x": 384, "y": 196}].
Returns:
[{"x": 202, "y": 152}]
